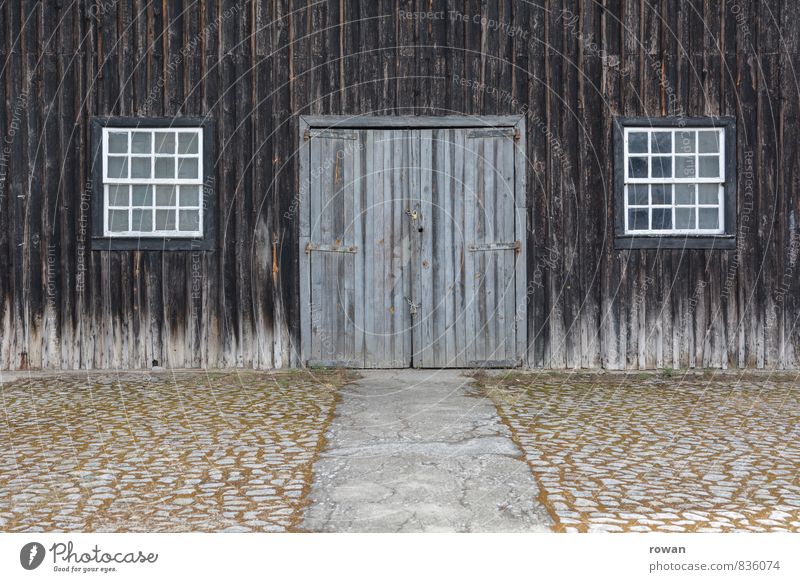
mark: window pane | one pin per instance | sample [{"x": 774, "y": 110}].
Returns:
[
  {"x": 684, "y": 218},
  {"x": 684, "y": 167},
  {"x": 637, "y": 167},
  {"x": 142, "y": 196},
  {"x": 165, "y": 142},
  {"x": 190, "y": 195},
  {"x": 708, "y": 142},
  {"x": 189, "y": 220},
  {"x": 165, "y": 168},
  {"x": 662, "y": 218},
  {"x": 638, "y": 195},
  {"x": 684, "y": 194},
  {"x": 187, "y": 168},
  {"x": 117, "y": 195},
  {"x": 661, "y": 193},
  {"x": 638, "y": 219},
  {"x": 117, "y": 220},
  {"x": 165, "y": 220},
  {"x": 187, "y": 143},
  {"x": 708, "y": 218},
  {"x": 165, "y": 196},
  {"x": 709, "y": 166},
  {"x": 662, "y": 167},
  {"x": 145, "y": 156},
  {"x": 685, "y": 142},
  {"x": 117, "y": 143},
  {"x": 140, "y": 167},
  {"x": 141, "y": 142},
  {"x": 661, "y": 142},
  {"x": 142, "y": 220},
  {"x": 117, "y": 167},
  {"x": 708, "y": 193}
]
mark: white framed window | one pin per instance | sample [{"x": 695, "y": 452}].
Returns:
[
  {"x": 152, "y": 182},
  {"x": 674, "y": 182}
]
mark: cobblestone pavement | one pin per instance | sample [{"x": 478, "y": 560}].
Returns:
[
  {"x": 161, "y": 452},
  {"x": 621, "y": 453}
]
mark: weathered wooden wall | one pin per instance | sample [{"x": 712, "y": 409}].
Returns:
[{"x": 570, "y": 65}]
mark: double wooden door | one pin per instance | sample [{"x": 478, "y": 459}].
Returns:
[{"x": 413, "y": 248}]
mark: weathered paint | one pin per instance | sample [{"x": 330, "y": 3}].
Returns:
[
  {"x": 256, "y": 67},
  {"x": 412, "y": 258}
]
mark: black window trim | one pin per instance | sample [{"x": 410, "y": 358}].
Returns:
[
  {"x": 100, "y": 242},
  {"x": 725, "y": 241}
]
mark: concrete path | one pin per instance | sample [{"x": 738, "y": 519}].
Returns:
[{"x": 413, "y": 450}]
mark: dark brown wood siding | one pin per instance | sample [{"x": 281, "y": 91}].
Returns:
[{"x": 570, "y": 66}]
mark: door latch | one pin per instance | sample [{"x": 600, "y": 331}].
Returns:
[
  {"x": 412, "y": 307},
  {"x": 412, "y": 214}
]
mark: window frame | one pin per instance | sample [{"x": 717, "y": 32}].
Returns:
[
  {"x": 726, "y": 239},
  {"x": 161, "y": 242}
]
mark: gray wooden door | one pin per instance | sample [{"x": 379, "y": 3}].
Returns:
[
  {"x": 467, "y": 250},
  {"x": 387, "y": 286},
  {"x": 335, "y": 249},
  {"x": 414, "y": 248}
]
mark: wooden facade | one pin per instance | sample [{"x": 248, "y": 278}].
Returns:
[{"x": 569, "y": 66}]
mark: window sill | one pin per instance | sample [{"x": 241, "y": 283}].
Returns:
[
  {"x": 151, "y": 244},
  {"x": 721, "y": 242}
]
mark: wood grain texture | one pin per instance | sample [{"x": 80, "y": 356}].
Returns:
[{"x": 570, "y": 68}]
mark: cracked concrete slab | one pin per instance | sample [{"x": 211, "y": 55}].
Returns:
[{"x": 417, "y": 450}]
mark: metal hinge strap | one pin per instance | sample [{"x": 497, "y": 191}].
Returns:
[
  {"x": 501, "y": 246},
  {"x": 330, "y": 248}
]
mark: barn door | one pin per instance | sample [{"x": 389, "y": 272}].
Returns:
[
  {"x": 335, "y": 250},
  {"x": 388, "y": 238},
  {"x": 413, "y": 243},
  {"x": 469, "y": 250}
]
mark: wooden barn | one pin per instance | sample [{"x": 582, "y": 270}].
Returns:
[{"x": 399, "y": 183}]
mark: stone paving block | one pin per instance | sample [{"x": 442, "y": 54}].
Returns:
[
  {"x": 683, "y": 454},
  {"x": 161, "y": 452}
]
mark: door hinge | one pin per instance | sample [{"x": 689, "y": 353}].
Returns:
[
  {"x": 499, "y": 246},
  {"x": 334, "y": 248},
  {"x": 517, "y": 135},
  {"x": 307, "y": 135}
]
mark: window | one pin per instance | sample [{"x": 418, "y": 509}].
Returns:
[
  {"x": 675, "y": 183},
  {"x": 155, "y": 184}
]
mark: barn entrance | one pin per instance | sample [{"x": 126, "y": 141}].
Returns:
[{"x": 412, "y": 241}]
